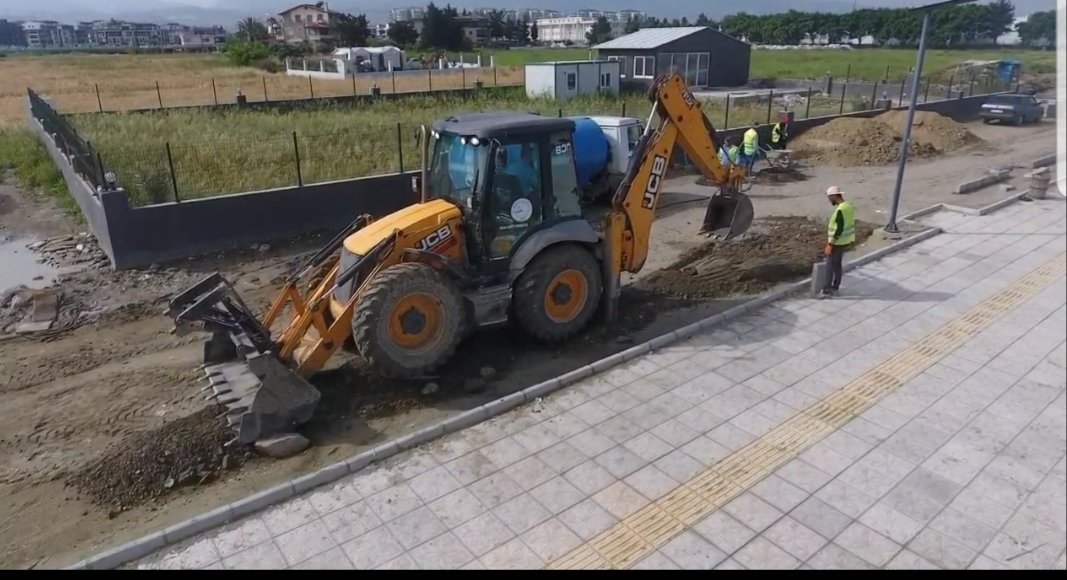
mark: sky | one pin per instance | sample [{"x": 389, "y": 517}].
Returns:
[{"x": 226, "y": 12}]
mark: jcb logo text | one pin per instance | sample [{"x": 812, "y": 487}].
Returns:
[
  {"x": 659, "y": 166},
  {"x": 435, "y": 240}
]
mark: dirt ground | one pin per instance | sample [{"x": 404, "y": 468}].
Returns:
[{"x": 107, "y": 437}]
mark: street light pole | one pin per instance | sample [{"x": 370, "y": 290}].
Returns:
[
  {"x": 894, "y": 207},
  {"x": 891, "y": 227}
]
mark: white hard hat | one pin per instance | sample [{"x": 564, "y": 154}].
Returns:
[{"x": 833, "y": 190}]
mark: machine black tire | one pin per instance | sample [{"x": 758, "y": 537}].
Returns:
[
  {"x": 382, "y": 295},
  {"x": 529, "y": 297}
]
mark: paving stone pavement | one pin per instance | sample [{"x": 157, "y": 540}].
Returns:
[{"x": 730, "y": 450}]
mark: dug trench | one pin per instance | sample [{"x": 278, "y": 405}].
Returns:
[{"x": 132, "y": 448}]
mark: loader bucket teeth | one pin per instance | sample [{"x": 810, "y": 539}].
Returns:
[{"x": 728, "y": 216}]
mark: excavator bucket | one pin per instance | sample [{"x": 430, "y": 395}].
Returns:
[
  {"x": 728, "y": 215},
  {"x": 262, "y": 395}
]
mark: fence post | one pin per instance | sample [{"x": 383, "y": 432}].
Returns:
[
  {"x": 296, "y": 155},
  {"x": 353, "y": 84},
  {"x": 173, "y": 176},
  {"x": 265, "y": 98},
  {"x": 311, "y": 88},
  {"x": 429, "y": 80},
  {"x": 392, "y": 78},
  {"x": 807, "y": 106},
  {"x": 886, "y": 79},
  {"x": 494, "y": 75},
  {"x": 841, "y": 107},
  {"x": 900, "y": 101},
  {"x": 560, "y": 113},
  {"x": 874, "y": 96},
  {"x": 770, "y": 105},
  {"x": 399, "y": 149},
  {"x": 726, "y": 117},
  {"x": 99, "y": 104},
  {"x": 926, "y": 91},
  {"x": 463, "y": 77},
  {"x": 848, "y": 73},
  {"x": 951, "y": 81},
  {"x": 214, "y": 92},
  {"x": 159, "y": 96}
]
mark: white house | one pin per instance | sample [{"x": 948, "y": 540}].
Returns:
[
  {"x": 566, "y": 80},
  {"x": 382, "y": 58}
]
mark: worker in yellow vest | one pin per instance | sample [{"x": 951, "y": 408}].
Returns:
[
  {"x": 750, "y": 147},
  {"x": 779, "y": 134},
  {"x": 840, "y": 236}
]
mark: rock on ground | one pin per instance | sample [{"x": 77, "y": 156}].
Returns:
[{"x": 282, "y": 446}]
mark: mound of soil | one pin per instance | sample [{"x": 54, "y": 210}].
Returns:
[
  {"x": 150, "y": 464},
  {"x": 876, "y": 141},
  {"x": 938, "y": 131},
  {"x": 776, "y": 249}
]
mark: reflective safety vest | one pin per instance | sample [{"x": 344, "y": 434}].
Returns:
[
  {"x": 776, "y": 133},
  {"x": 732, "y": 152},
  {"x": 848, "y": 227},
  {"x": 750, "y": 141}
]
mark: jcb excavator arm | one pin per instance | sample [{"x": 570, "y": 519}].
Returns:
[{"x": 676, "y": 119}]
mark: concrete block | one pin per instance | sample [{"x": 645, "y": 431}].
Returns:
[
  {"x": 357, "y": 462},
  {"x": 818, "y": 277},
  {"x": 201, "y": 523},
  {"x": 994, "y": 176},
  {"x": 468, "y": 418},
  {"x": 261, "y": 500},
  {"x": 127, "y": 552},
  {"x": 1043, "y": 161},
  {"x": 328, "y": 474}
]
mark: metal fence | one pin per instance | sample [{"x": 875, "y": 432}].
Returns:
[{"x": 85, "y": 159}]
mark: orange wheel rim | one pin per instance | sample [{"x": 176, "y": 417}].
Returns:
[
  {"x": 415, "y": 321},
  {"x": 566, "y": 296}
]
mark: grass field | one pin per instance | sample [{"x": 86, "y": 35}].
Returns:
[
  {"x": 129, "y": 81},
  {"x": 239, "y": 151}
]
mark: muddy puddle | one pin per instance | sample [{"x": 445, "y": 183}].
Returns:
[{"x": 19, "y": 265}]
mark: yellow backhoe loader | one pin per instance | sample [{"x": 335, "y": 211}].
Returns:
[{"x": 499, "y": 236}]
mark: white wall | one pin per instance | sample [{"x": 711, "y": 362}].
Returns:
[{"x": 540, "y": 81}]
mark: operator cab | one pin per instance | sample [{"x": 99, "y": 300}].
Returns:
[{"x": 510, "y": 173}]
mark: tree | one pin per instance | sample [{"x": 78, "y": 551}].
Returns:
[
  {"x": 403, "y": 33},
  {"x": 632, "y": 25},
  {"x": 703, "y": 20},
  {"x": 1039, "y": 29},
  {"x": 251, "y": 30},
  {"x": 600, "y": 32},
  {"x": 352, "y": 30},
  {"x": 534, "y": 33},
  {"x": 441, "y": 28},
  {"x": 999, "y": 16},
  {"x": 498, "y": 25}
]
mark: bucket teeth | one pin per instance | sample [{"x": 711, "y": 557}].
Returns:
[{"x": 217, "y": 380}]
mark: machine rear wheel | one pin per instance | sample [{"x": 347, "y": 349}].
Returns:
[
  {"x": 558, "y": 294},
  {"x": 409, "y": 320}
]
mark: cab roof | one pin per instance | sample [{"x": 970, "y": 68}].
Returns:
[{"x": 502, "y": 124}]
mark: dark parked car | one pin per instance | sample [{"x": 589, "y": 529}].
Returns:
[{"x": 1015, "y": 108}]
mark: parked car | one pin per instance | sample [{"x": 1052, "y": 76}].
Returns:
[{"x": 1013, "y": 108}]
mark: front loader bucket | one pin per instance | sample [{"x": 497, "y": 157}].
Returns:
[
  {"x": 728, "y": 215},
  {"x": 261, "y": 394}
]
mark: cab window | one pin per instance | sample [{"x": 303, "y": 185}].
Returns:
[
  {"x": 514, "y": 201},
  {"x": 564, "y": 177}
]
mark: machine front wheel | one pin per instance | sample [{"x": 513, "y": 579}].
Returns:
[
  {"x": 558, "y": 294},
  {"x": 409, "y": 320}
]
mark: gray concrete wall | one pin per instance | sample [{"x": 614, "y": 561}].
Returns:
[{"x": 88, "y": 199}]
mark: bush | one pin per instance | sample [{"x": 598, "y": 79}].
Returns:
[
  {"x": 270, "y": 64},
  {"x": 245, "y": 53},
  {"x": 29, "y": 161}
]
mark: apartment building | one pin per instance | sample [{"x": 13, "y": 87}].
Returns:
[
  {"x": 11, "y": 33},
  {"x": 572, "y": 29},
  {"x": 48, "y": 34}
]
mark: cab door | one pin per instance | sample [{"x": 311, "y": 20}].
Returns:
[{"x": 513, "y": 197}]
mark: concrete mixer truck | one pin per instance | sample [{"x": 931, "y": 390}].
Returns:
[{"x": 603, "y": 148}]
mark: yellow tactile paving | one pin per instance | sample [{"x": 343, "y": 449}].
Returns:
[{"x": 657, "y": 523}]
